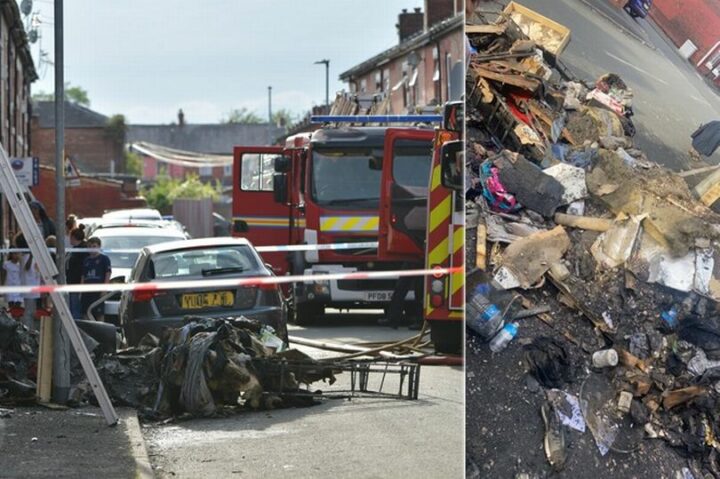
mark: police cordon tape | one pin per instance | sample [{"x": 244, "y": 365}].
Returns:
[
  {"x": 259, "y": 249},
  {"x": 224, "y": 283}
]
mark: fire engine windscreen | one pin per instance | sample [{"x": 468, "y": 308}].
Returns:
[{"x": 347, "y": 178}]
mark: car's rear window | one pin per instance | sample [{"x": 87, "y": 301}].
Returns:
[
  {"x": 127, "y": 259},
  {"x": 203, "y": 262}
]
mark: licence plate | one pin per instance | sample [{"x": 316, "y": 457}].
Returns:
[
  {"x": 207, "y": 300},
  {"x": 379, "y": 296}
]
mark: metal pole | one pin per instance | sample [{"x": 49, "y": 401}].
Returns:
[
  {"x": 327, "y": 85},
  {"x": 61, "y": 351},
  {"x": 269, "y": 104}
]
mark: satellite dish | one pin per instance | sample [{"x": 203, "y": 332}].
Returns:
[
  {"x": 26, "y": 7},
  {"x": 413, "y": 59},
  {"x": 32, "y": 36}
]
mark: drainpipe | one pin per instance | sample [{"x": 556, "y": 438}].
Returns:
[{"x": 708, "y": 54}]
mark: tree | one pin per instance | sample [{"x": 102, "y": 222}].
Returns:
[
  {"x": 284, "y": 117},
  {"x": 74, "y": 94},
  {"x": 166, "y": 190},
  {"x": 133, "y": 164},
  {"x": 243, "y": 116}
]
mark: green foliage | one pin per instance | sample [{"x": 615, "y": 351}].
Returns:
[
  {"x": 116, "y": 129},
  {"x": 74, "y": 94},
  {"x": 166, "y": 190},
  {"x": 192, "y": 188},
  {"x": 133, "y": 163},
  {"x": 284, "y": 117},
  {"x": 243, "y": 116}
]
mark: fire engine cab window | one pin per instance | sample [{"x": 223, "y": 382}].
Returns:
[
  {"x": 347, "y": 178},
  {"x": 411, "y": 163},
  {"x": 257, "y": 172}
]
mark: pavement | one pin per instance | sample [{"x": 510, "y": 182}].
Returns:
[{"x": 36, "y": 442}]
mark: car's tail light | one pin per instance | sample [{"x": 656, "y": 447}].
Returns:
[
  {"x": 267, "y": 287},
  {"x": 144, "y": 295}
]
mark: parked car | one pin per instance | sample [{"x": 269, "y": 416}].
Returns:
[
  {"x": 134, "y": 214},
  {"x": 132, "y": 238},
  {"x": 638, "y": 8},
  {"x": 200, "y": 260}
]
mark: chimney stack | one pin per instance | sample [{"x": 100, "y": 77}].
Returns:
[
  {"x": 409, "y": 23},
  {"x": 438, "y": 10},
  {"x": 181, "y": 117}
]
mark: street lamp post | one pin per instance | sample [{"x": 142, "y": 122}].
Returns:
[{"x": 327, "y": 82}]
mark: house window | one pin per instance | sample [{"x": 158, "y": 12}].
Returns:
[
  {"x": 386, "y": 79},
  {"x": 414, "y": 86},
  {"x": 363, "y": 85},
  {"x": 378, "y": 81},
  {"x": 227, "y": 170},
  {"x": 206, "y": 171}
]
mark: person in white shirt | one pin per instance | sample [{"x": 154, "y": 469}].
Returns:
[
  {"x": 11, "y": 267},
  {"x": 29, "y": 276}
]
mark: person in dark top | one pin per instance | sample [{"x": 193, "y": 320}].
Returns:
[
  {"x": 74, "y": 268},
  {"x": 46, "y": 225},
  {"x": 96, "y": 270}
]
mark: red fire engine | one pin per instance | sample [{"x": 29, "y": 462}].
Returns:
[{"x": 337, "y": 185}]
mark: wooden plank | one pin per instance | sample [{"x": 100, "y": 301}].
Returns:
[
  {"x": 515, "y": 80},
  {"x": 481, "y": 247},
  {"x": 487, "y": 29},
  {"x": 583, "y": 222},
  {"x": 45, "y": 360}
]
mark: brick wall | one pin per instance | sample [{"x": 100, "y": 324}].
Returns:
[
  {"x": 90, "y": 199},
  {"x": 91, "y": 148},
  {"x": 696, "y": 20}
]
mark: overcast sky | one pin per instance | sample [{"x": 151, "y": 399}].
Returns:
[{"x": 146, "y": 59}]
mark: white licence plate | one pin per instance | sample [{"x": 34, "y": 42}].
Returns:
[{"x": 379, "y": 296}]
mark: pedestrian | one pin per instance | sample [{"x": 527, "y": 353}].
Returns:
[
  {"x": 74, "y": 268},
  {"x": 96, "y": 270},
  {"x": 70, "y": 224},
  {"x": 11, "y": 271},
  {"x": 29, "y": 276},
  {"x": 47, "y": 227}
]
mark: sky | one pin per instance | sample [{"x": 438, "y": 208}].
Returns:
[{"x": 146, "y": 59}]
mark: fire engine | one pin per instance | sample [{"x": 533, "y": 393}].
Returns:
[
  {"x": 443, "y": 302},
  {"x": 336, "y": 185},
  {"x": 345, "y": 184}
]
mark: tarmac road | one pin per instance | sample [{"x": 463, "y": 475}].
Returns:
[
  {"x": 361, "y": 438},
  {"x": 671, "y": 100}
]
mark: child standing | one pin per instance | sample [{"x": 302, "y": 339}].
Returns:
[{"x": 11, "y": 266}]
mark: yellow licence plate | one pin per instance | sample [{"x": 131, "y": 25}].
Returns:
[{"x": 207, "y": 300}]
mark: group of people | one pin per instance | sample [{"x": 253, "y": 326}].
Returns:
[{"x": 81, "y": 267}]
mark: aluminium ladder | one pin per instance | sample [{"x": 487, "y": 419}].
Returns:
[{"x": 16, "y": 199}]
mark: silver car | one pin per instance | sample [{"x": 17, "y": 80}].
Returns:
[
  {"x": 131, "y": 239},
  {"x": 200, "y": 260}
]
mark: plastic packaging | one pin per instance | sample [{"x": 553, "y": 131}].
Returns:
[
  {"x": 605, "y": 358},
  {"x": 503, "y": 338},
  {"x": 483, "y": 316},
  {"x": 670, "y": 317}
]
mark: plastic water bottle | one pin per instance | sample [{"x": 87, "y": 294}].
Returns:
[
  {"x": 670, "y": 317},
  {"x": 483, "y": 316},
  {"x": 503, "y": 338}
]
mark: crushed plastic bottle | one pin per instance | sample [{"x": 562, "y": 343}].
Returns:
[
  {"x": 483, "y": 316},
  {"x": 503, "y": 338}
]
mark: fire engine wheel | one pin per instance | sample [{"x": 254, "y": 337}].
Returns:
[
  {"x": 447, "y": 336},
  {"x": 307, "y": 313}
]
